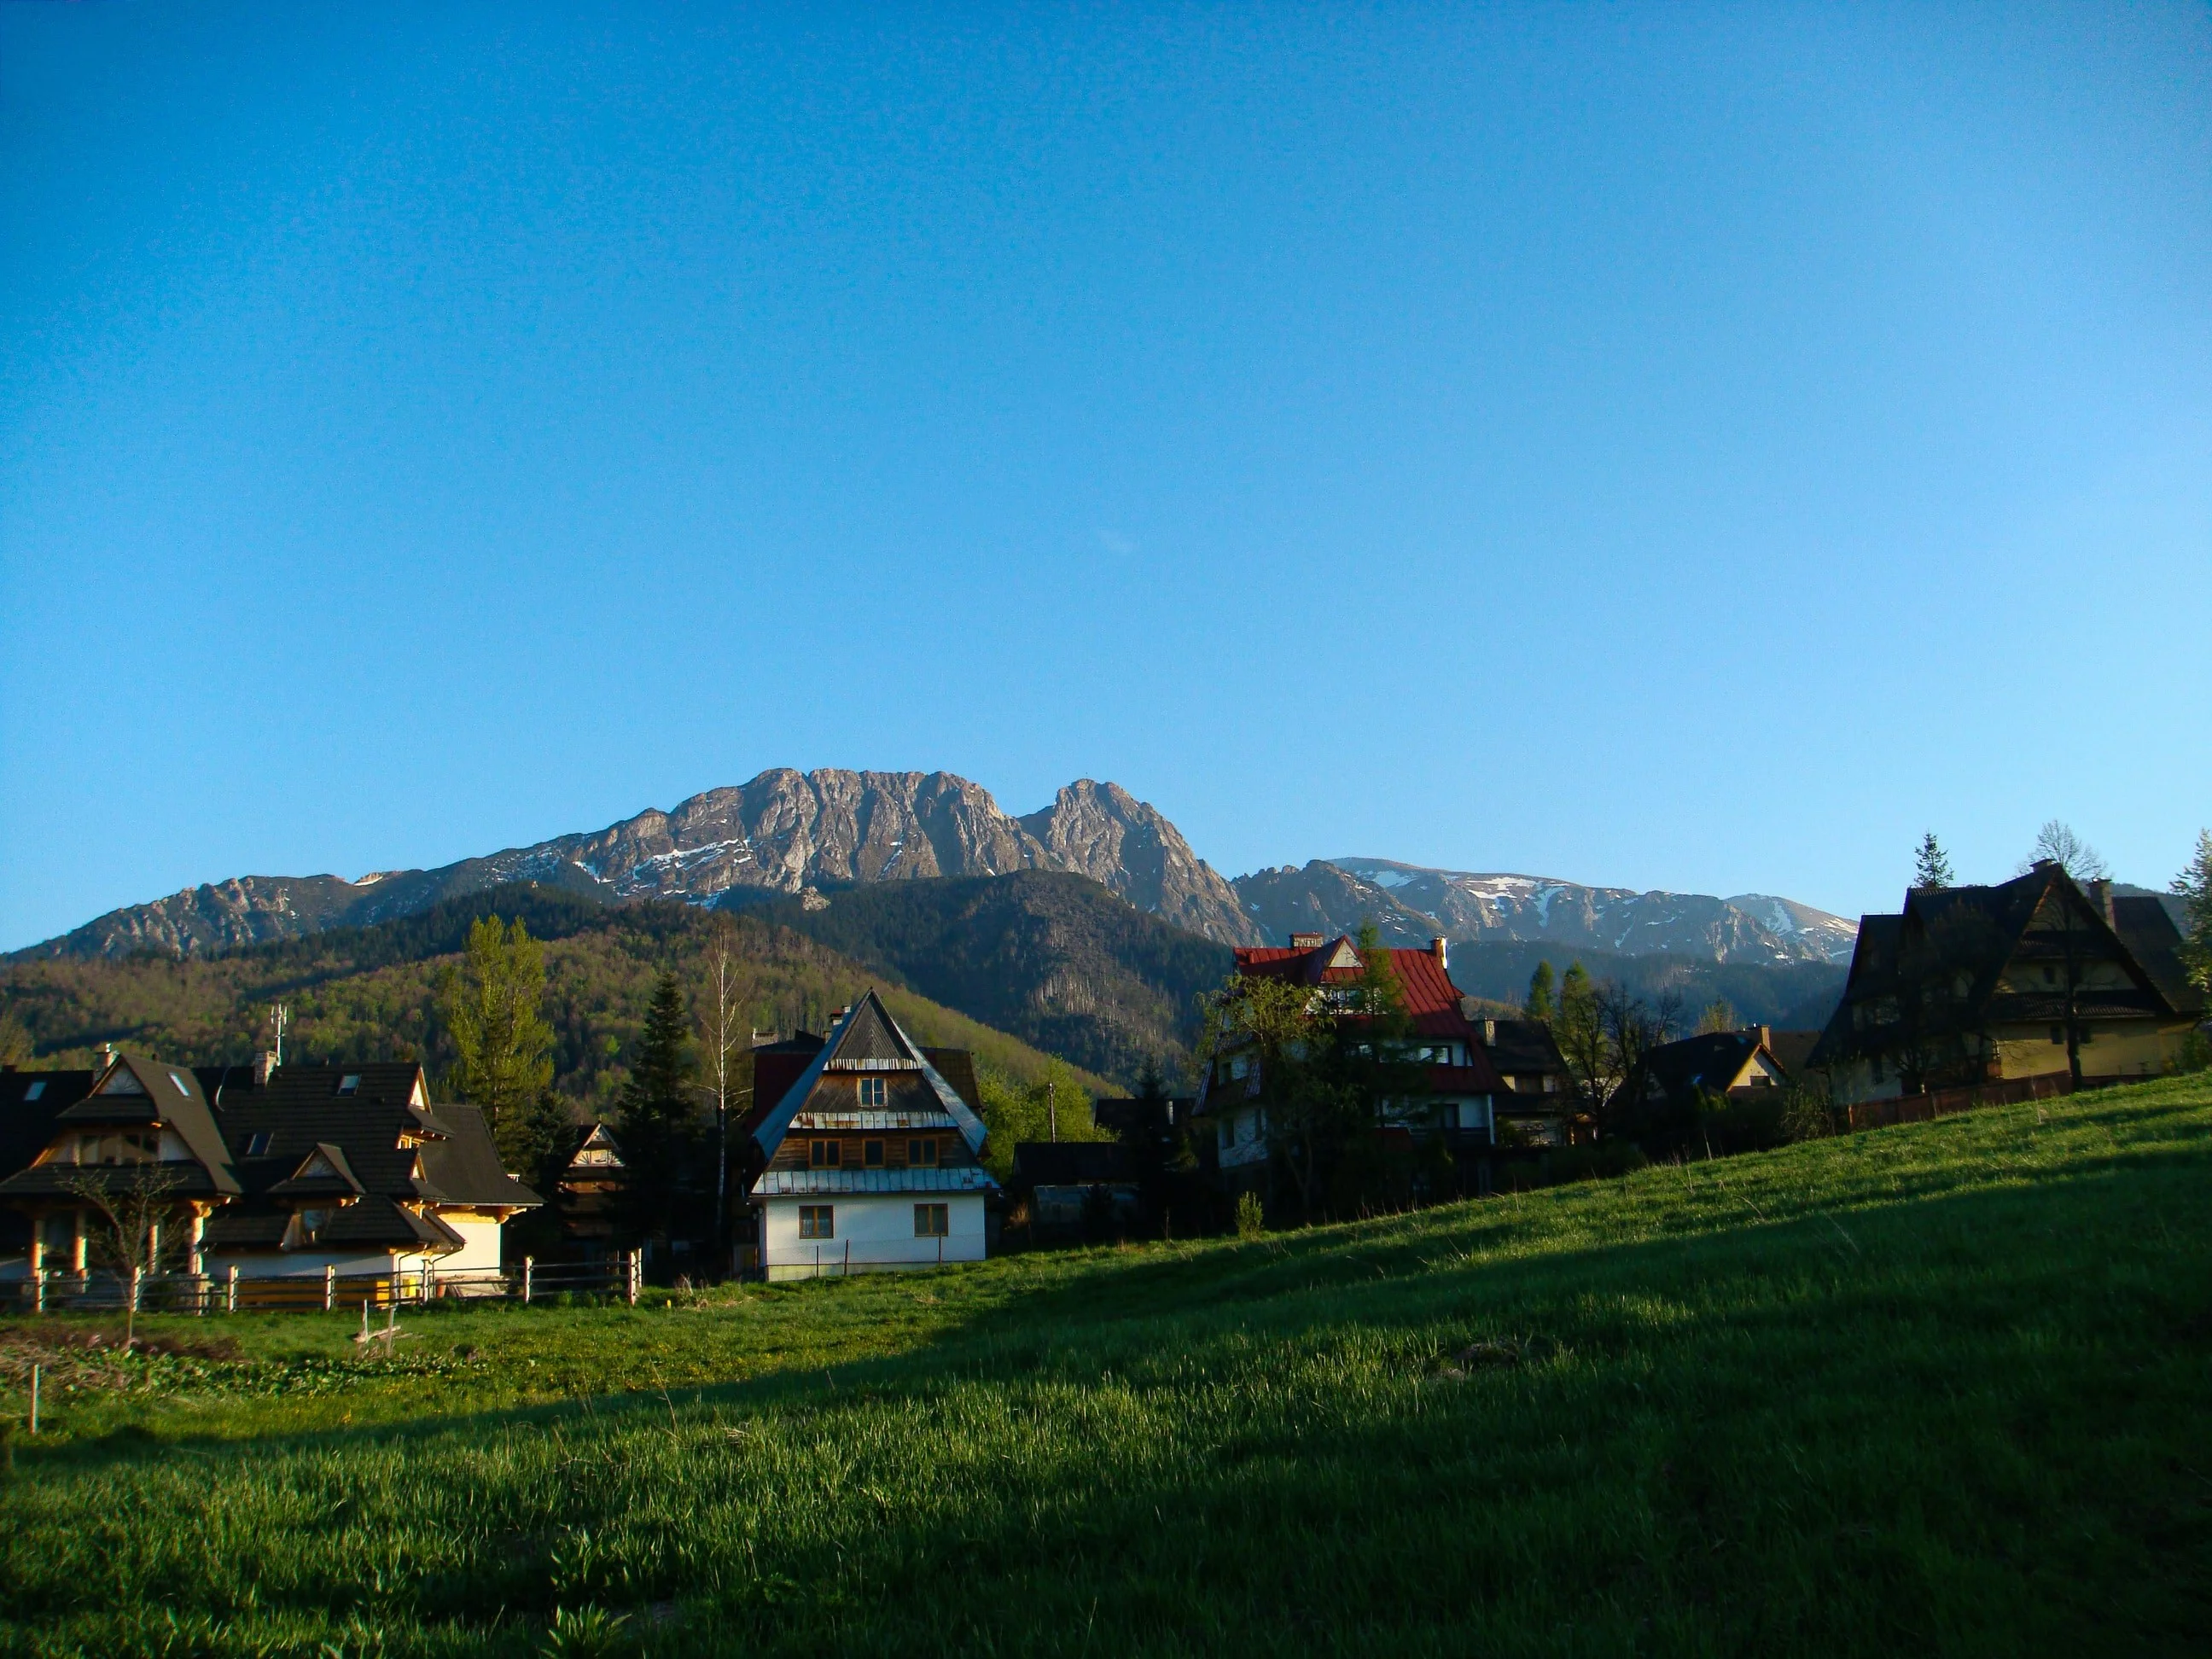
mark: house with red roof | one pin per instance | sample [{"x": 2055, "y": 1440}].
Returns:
[{"x": 1230, "y": 1116}]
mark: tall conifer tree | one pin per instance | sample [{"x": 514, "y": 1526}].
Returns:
[
  {"x": 1931, "y": 867},
  {"x": 493, "y": 1006},
  {"x": 655, "y": 1118},
  {"x": 1539, "y": 1005},
  {"x": 2194, "y": 883}
]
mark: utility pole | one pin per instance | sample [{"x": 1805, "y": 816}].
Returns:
[{"x": 1051, "y": 1108}]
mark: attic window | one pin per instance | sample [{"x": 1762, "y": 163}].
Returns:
[
  {"x": 257, "y": 1143},
  {"x": 178, "y": 1077},
  {"x": 871, "y": 1091},
  {"x": 34, "y": 1090},
  {"x": 349, "y": 1084}
]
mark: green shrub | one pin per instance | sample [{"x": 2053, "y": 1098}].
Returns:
[{"x": 1251, "y": 1220}]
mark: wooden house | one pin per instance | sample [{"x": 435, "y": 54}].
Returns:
[
  {"x": 1229, "y": 1117},
  {"x": 276, "y": 1171},
  {"x": 871, "y": 1158},
  {"x": 2029, "y": 977},
  {"x": 1736, "y": 1066},
  {"x": 1535, "y": 1105},
  {"x": 589, "y": 1191}
]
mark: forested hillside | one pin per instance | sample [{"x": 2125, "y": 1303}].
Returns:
[
  {"x": 1795, "y": 995},
  {"x": 371, "y": 992},
  {"x": 1055, "y": 959}
]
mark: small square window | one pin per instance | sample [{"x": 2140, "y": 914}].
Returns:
[
  {"x": 257, "y": 1143},
  {"x": 824, "y": 1154},
  {"x": 871, "y": 1154},
  {"x": 349, "y": 1084},
  {"x": 932, "y": 1220},
  {"x": 872, "y": 1091},
  {"x": 817, "y": 1221},
  {"x": 35, "y": 1090},
  {"x": 922, "y": 1152}
]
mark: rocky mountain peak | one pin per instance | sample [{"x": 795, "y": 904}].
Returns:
[{"x": 1103, "y": 831}]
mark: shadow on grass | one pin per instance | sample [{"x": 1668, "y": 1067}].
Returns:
[{"x": 2016, "y": 1253}]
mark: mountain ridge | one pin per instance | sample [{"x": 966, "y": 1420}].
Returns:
[
  {"x": 1411, "y": 903},
  {"x": 786, "y": 831},
  {"x": 780, "y": 833}
]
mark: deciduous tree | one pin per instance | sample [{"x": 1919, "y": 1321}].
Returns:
[
  {"x": 725, "y": 1035},
  {"x": 138, "y": 1221},
  {"x": 2056, "y": 843}
]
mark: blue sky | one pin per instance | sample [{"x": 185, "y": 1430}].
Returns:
[{"x": 1663, "y": 446}]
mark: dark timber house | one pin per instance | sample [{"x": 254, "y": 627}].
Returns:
[
  {"x": 276, "y": 1171},
  {"x": 869, "y": 1159},
  {"x": 2028, "y": 978}
]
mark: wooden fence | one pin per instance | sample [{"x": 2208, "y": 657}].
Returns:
[
  {"x": 231, "y": 1292},
  {"x": 1944, "y": 1102}
]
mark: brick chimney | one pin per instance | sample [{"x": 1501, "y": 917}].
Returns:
[
  {"x": 1441, "y": 950},
  {"x": 2100, "y": 894},
  {"x": 1762, "y": 1036},
  {"x": 263, "y": 1064}
]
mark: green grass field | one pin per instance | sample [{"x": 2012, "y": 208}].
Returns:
[{"x": 1936, "y": 1389}]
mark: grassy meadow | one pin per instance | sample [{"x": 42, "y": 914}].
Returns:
[{"x": 1940, "y": 1389}]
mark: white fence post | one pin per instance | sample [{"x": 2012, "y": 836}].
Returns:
[
  {"x": 529, "y": 1272},
  {"x": 631, "y": 1287},
  {"x": 330, "y": 1288},
  {"x": 230, "y": 1290}
]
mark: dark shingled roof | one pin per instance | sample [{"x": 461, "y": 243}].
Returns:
[
  {"x": 1793, "y": 1050},
  {"x": 343, "y": 1121},
  {"x": 2145, "y": 927},
  {"x": 1703, "y": 1064},
  {"x": 1072, "y": 1163},
  {"x": 26, "y": 1125},
  {"x": 1520, "y": 1046}
]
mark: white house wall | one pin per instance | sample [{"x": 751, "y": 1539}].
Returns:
[{"x": 874, "y": 1232}]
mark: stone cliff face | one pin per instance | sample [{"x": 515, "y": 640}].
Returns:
[
  {"x": 783, "y": 832},
  {"x": 1103, "y": 831},
  {"x": 786, "y": 830}
]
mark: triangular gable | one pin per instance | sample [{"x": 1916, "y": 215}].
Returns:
[
  {"x": 1343, "y": 954},
  {"x": 875, "y": 1035},
  {"x": 870, "y": 1033},
  {"x": 171, "y": 1094},
  {"x": 1756, "y": 1064}
]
